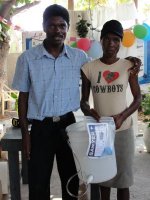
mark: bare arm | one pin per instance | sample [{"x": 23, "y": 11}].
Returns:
[
  {"x": 85, "y": 93},
  {"x": 22, "y": 111},
  {"x": 135, "y": 89},
  {"x": 136, "y": 92}
]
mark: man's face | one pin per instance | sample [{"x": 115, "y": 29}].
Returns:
[
  {"x": 111, "y": 44},
  {"x": 56, "y": 30}
]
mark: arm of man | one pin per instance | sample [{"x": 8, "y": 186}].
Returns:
[
  {"x": 135, "y": 89},
  {"x": 22, "y": 111},
  {"x": 85, "y": 93}
]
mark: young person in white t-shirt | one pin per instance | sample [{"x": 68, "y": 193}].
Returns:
[{"x": 108, "y": 78}]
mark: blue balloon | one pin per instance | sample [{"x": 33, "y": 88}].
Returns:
[
  {"x": 95, "y": 50},
  {"x": 147, "y": 37}
]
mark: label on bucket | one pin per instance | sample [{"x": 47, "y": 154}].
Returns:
[{"x": 98, "y": 136}]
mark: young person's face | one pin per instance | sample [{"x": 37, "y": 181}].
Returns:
[
  {"x": 56, "y": 30},
  {"x": 111, "y": 44}
]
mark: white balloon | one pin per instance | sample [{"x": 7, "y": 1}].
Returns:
[{"x": 95, "y": 50}]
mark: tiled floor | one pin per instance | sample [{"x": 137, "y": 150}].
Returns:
[{"x": 139, "y": 191}]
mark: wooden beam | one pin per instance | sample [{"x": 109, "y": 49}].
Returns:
[
  {"x": 70, "y": 4},
  {"x": 136, "y": 3}
]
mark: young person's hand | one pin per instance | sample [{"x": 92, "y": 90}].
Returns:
[
  {"x": 85, "y": 107},
  {"x": 118, "y": 120},
  {"x": 94, "y": 114}
]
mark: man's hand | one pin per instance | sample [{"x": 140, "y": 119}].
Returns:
[
  {"x": 134, "y": 70},
  {"x": 22, "y": 112},
  {"x": 26, "y": 145}
]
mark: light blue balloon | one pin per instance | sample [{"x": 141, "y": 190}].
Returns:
[
  {"x": 147, "y": 37},
  {"x": 95, "y": 50}
]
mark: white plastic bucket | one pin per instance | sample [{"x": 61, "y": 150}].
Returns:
[{"x": 98, "y": 169}]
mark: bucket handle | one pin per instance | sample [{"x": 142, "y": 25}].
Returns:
[{"x": 89, "y": 179}]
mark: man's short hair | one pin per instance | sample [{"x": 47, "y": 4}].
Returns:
[{"x": 56, "y": 10}]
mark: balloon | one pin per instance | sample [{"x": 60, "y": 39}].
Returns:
[
  {"x": 95, "y": 50},
  {"x": 128, "y": 39},
  {"x": 73, "y": 39},
  {"x": 73, "y": 44},
  {"x": 147, "y": 37},
  {"x": 84, "y": 44},
  {"x": 140, "y": 31}
]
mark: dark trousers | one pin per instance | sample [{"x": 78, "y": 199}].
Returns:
[
  {"x": 95, "y": 192},
  {"x": 49, "y": 139}
]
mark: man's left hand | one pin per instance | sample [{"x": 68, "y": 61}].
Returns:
[{"x": 134, "y": 70}]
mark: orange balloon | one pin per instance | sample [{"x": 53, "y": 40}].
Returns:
[{"x": 128, "y": 39}]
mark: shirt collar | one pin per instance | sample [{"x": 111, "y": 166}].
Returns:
[{"x": 43, "y": 52}]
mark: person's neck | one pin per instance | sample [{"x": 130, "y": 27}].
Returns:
[
  {"x": 109, "y": 60},
  {"x": 54, "y": 50}
]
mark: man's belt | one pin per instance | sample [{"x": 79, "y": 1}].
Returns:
[{"x": 58, "y": 118}]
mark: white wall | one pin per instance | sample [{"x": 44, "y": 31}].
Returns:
[{"x": 11, "y": 65}]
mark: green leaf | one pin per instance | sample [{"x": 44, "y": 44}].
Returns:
[
  {"x": 82, "y": 27},
  {"x": 4, "y": 27},
  {"x": 14, "y": 95},
  {"x": 145, "y": 104},
  {"x": 124, "y": 1},
  {"x": 27, "y": 1},
  {"x": 1, "y": 38},
  {"x": 23, "y": 1},
  {"x": 84, "y": 4}
]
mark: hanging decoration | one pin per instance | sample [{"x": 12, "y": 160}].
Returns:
[
  {"x": 147, "y": 37},
  {"x": 140, "y": 31},
  {"x": 95, "y": 50},
  {"x": 73, "y": 44},
  {"x": 128, "y": 38},
  {"x": 84, "y": 44}
]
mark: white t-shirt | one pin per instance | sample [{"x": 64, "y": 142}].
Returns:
[{"x": 109, "y": 85}]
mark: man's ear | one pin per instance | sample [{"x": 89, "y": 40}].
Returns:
[{"x": 44, "y": 27}]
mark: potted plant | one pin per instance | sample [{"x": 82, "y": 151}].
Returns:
[
  {"x": 82, "y": 27},
  {"x": 146, "y": 112}
]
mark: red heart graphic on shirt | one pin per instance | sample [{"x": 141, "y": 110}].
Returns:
[{"x": 110, "y": 76}]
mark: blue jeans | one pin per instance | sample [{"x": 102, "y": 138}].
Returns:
[{"x": 49, "y": 139}]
